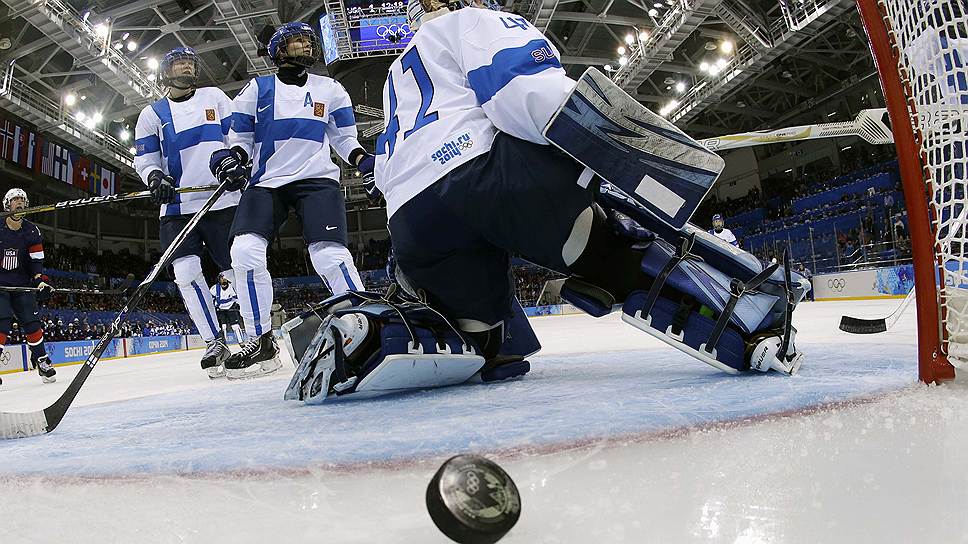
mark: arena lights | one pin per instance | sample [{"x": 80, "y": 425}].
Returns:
[
  {"x": 152, "y": 63},
  {"x": 124, "y": 135},
  {"x": 89, "y": 123},
  {"x": 621, "y": 50},
  {"x": 726, "y": 47},
  {"x": 653, "y": 12},
  {"x": 608, "y": 68},
  {"x": 132, "y": 150},
  {"x": 97, "y": 117},
  {"x": 70, "y": 99},
  {"x": 643, "y": 36},
  {"x": 629, "y": 39},
  {"x": 680, "y": 87},
  {"x": 132, "y": 46},
  {"x": 152, "y": 77},
  {"x": 622, "y": 61},
  {"x": 80, "y": 116},
  {"x": 101, "y": 30},
  {"x": 667, "y": 109}
]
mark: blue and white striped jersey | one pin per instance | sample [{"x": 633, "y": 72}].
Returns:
[
  {"x": 178, "y": 138},
  {"x": 287, "y": 130},
  {"x": 224, "y": 299},
  {"x": 463, "y": 76}
]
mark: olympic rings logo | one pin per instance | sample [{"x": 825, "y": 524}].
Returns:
[
  {"x": 466, "y": 145},
  {"x": 837, "y": 284},
  {"x": 393, "y": 30}
]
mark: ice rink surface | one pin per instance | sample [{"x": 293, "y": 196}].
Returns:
[{"x": 613, "y": 437}]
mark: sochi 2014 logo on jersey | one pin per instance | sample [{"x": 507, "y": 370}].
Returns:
[
  {"x": 9, "y": 259},
  {"x": 454, "y": 146}
]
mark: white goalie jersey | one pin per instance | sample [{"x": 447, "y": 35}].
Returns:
[{"x": 464, "y": 76}]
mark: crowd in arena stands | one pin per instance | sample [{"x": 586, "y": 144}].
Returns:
[
  {"x": 108, "y": 264},
  {"x": 56, "y": 329}
]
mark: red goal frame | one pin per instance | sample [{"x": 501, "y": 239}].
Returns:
[{"x": 933, "y": 365}]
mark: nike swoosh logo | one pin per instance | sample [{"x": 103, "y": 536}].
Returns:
[
  {"x": 330, "y": 228},
  {"x": 263, "y": 108},
  {"x": 163, "y": 125}
]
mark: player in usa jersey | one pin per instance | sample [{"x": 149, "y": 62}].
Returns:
[
  {"x": 286, "y": 125},
  {"x": 175, "y": 137},
  {"x": 470, "y": 179},
  {"x": 23, "y": 266}
]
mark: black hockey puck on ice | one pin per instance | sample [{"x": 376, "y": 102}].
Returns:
[{"x": 472, "y": 500}]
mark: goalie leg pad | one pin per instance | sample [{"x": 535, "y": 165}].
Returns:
[
  {"x": 371, "y": 347},
  {"x": 724, "y": 322}
]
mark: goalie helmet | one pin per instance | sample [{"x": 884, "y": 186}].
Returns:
[
  {"x": 172, "y": 62},
  {"x": 420, "y": 11},
  {"x": 12, "y": 195},
  {"x": 288, "y": 35}
]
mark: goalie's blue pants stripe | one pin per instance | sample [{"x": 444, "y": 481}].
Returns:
[
  {"x": 454, "y": 240},
  {"x": 201, "y": 302},
  {"x": 254, "y": 300},
  {"x": 347, "y": 278}
]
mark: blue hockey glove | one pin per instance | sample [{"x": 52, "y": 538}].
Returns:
[
  {"x": 162, "y": 188},
  {"x": 228, "y": 165}
]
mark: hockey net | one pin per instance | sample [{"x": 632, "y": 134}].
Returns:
[{"x": 921, "y": 51}]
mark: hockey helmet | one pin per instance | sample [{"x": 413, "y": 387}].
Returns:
[
  {"x": 420, "y": 11},
  {"x": 287, "y": 35},
  {"x": 12, "y": 195},
  {"x": 180, "y": 80}
]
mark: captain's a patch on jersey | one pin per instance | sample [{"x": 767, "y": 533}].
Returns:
[
  {"x": 319, "y": 109},
  {"x": 209, "y": 114}
]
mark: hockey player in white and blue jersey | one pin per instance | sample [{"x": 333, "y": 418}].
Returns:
[
  {"x": 227, "y": 308},
  {"x": 287, "y": 124},
  {"x": 174, "y": 139},
  {"x": 470, "y": 179},
  {"x": 720, "y": 231}
]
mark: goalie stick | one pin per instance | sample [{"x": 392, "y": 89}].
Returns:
[
  {"x": 21, "y": 425},
  {"x": 857, "y": 325},
  {"x": 78, "y": 202}
]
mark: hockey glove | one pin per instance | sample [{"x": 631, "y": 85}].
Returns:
[
  {"x": 46, "y": 289},
  {"x": 162, "y": 188},
  {"x": 366, "y": 167},
  {"x": 228, "y": 165}
]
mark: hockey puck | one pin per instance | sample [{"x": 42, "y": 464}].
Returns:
[{"x": 472, "y": 500}]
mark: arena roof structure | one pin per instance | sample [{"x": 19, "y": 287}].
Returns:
[{"x": 83, "y": 69}]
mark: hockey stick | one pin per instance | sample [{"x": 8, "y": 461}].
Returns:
[
  {"x": 857, "y": 325},
  {"x": 58, "y": 290},
  {"x": 21, "y": 425},
  {"x": 65, "y": 204},
  {"x": 871, "y": 125}
]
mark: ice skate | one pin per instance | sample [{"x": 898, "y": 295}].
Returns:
[
  {"x": 213, "y": 361},
  {"x": 258, "y": 357},
  {"x": 45, "y": 369}
]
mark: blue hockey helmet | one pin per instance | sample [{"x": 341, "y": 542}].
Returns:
[
  {"x": 176, "y": 76},
  {"x": 279, "y": 45},
  {"x": 418, "y": 10}
]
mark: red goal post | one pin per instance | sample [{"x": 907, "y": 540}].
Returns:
[{"x": 921, "y": 50}]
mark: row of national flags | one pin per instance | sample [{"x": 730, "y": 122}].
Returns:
[{"x": 22, "y": 146}]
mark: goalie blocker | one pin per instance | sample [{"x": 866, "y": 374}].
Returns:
[{"x": 366, "y": 345}]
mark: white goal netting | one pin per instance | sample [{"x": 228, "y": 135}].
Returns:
[{"x": 931, "y": 40}]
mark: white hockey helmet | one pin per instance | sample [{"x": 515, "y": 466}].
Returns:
[
  {"x": 420, "y": 11},
  {"x": 13, "y": 194}
]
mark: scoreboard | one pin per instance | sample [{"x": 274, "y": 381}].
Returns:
[{"x": 363, "y": 28}]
